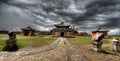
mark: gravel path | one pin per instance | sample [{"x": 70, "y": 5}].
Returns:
[
  {"x": 94, "y": 56},
  {"x": 60, "y": 50}
]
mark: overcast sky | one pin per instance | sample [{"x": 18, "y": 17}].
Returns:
[{"x": 86, "y": 15}]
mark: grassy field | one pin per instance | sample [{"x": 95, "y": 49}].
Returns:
[
  {"x": 85, "y": 40},
  {"x": 42, "y": 40},
  {"x": 28, "y": 41}
]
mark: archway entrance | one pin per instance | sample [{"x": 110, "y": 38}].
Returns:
[
  {"x": 62, "y": 34},
  {"x": 26, "y": 33}
]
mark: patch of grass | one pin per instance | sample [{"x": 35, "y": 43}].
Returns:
[
  {"x": 35, "y": 41},
  {"x": 2, "y": 45},
  {"x": 85, "y": 40},
  {"x": 26, "y": 41},
  {"x": 106, "y": 41},
  {"x": 107, "y": 48},
  {"x": 81, "y": 40}
]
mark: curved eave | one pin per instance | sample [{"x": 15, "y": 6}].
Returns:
[
  {"x": 27, "y": 29},
  {"x": 62, "y": 30},
  {"x": 62, "y": 25},
  {"x": 101, "y": 31}
]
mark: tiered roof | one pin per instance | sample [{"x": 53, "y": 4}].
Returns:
[
  {"x": 63, "y": 29},
  {"x": 62, "y": 25},
  {"x": 100, "y": 30},
  {"x": 27, "y": 28}
]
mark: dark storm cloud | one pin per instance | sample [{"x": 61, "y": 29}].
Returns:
[
  {"x": 93, "y": 8},
  {"x": 4, "y": 1},
  {"x": 43, "y": 14},
  {"x": 102, "y": 3},
  {"x": 114, "y": 22},
  {"x": 97, "y": 7}
]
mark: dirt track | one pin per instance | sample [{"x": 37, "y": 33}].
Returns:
[
  {"x": 94, "y": 56},
  {"x": 60, "y": 50}
]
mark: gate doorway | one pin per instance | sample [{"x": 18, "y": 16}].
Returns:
[
  {"x": 26, "y": 33},
  {"x": 62, "y": 34}
]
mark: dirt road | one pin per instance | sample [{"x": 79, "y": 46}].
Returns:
[{"x": 60, "y": 50}]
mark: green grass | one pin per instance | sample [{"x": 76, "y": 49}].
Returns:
[
  {"x": 36, "y": 41},
  {"x": 107, "y": 49},
  {"x": 2, "y": 42},
  {"x": 85, "y": 40},
  {"x": 80, "y": 40},
  {"x": 42, "y": 40},
  {"x": 25, "y": 41}
]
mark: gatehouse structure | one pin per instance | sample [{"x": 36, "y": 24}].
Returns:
[
  {"x": 100, "y": 30},
  {"x": 62, "y": 30},
  {"x": 28, "y": 31}
]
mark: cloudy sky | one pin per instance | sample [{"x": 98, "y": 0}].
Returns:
[{"x": 86, "y": 15}]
